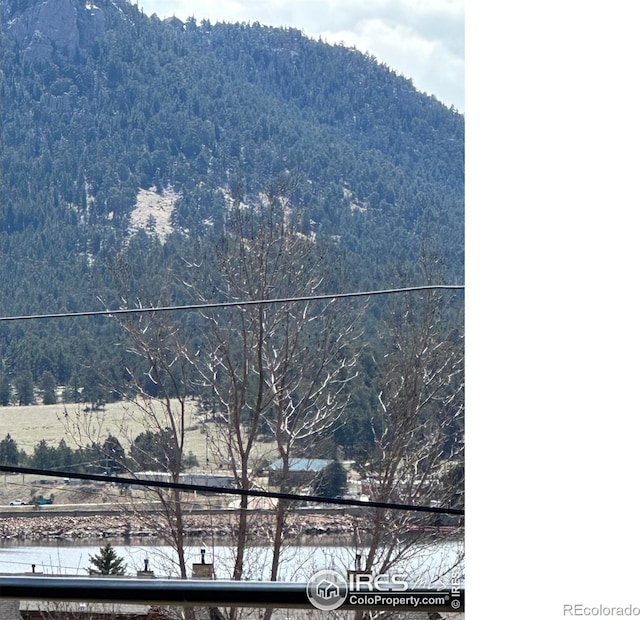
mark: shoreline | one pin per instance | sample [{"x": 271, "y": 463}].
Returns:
[{"x": 221, "y": 527}]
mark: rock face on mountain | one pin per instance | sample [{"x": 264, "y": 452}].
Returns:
[{"x": 56, "y": 25}]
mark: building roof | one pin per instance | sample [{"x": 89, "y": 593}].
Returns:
[
  {"x": 299, "y": 464},
  {"x": 75, "y": 607}
]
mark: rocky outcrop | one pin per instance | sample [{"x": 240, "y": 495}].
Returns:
[{"x": 67, "y": 26}]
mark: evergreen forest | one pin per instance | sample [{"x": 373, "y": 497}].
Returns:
[{"x": 152, "y": 163}]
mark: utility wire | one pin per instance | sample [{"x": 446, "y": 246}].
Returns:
[
  {"x": 231, "y": 304},
  {"x": 246, "y": 492},
  {"x": 202, "y": 488}
]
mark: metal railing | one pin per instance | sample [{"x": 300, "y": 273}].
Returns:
[{"x": 205, "y": 593}]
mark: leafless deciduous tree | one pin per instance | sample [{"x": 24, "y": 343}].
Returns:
[
  {"x": 272, "y": 369},
  {"x": 162, "y": 401},
  {"x": 418, "y": 437},
  {"x": 158, "y": 399}
]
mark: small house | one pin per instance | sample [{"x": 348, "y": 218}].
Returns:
[{"x": 301, "y": 471}]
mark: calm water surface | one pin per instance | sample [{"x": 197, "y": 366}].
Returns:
[{"x": 430, "y": 564}]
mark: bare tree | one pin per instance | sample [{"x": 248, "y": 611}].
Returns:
[
  {"x": 278, "y": 370},
  {"x": 418, "y": 436},
  {"x": 307, "y": 376},
  {"x": 161, "y": 398},
  {"x": 158, "y": 395}
]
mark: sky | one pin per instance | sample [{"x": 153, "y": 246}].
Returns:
[{"x": 420, "y": 39}]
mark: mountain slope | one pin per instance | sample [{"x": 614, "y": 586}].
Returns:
[{"x": 126, "y": 135}]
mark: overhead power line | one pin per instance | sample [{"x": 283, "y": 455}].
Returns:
[
  {"x": 223, "y": 490},
  {"x": 231, "y": 304}
]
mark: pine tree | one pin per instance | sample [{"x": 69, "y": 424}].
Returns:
[
  {"x": 331, "y": 481},
  {"x": 107, "y": 562},
  {"x": 5, "y": 391},
  {"x": 9, "y": 454},
  {"x": 24, "y": 388},
  {"x": 48, "y": 387}
]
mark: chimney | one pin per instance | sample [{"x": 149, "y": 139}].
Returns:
[
  {"x": 146, "y": 573},
  {"x": 202, "y": 570}
]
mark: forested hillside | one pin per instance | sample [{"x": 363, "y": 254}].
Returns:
[{"x": 132, "y": 147}]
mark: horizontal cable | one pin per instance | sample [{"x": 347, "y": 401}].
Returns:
[
  {"x": 231, "y": 304},
  {"x": 223, "y": 490}
]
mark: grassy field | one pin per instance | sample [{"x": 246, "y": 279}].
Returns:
[{"x": 28, "y": 425}]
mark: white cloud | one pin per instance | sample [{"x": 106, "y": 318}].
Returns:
[{"x": 420, "y": 39}]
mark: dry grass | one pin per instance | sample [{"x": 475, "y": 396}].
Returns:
[{"x": 28, "y": 425}]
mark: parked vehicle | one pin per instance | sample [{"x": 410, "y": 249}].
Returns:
[
  {"x": 43, "y": 501},
  {"x": 17, "y": 502}
]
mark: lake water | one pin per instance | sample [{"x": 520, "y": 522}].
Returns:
[{"x": 433, "y": 564}]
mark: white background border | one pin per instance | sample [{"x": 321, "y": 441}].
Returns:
[{"x": 553, "y": 242}]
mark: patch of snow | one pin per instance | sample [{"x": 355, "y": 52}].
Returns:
[
  {"x": 229, "y": 201},
  {"x": 310, "y": 237},
  {"x": 153, "y": 212},
  {"x": 354, "y": 205}
]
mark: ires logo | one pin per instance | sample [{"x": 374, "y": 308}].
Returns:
[
  {"x": 365, "y": 582},
  {"x": 327, "y": 589}
]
